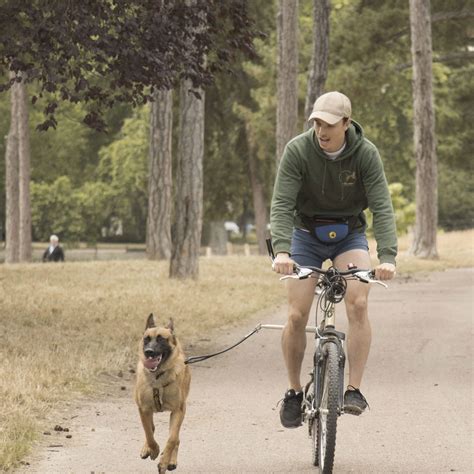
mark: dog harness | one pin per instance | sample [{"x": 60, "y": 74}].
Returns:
[{"x": 157, "y": 398}]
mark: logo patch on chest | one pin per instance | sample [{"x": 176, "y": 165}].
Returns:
[{"x": 347, "y": 178}]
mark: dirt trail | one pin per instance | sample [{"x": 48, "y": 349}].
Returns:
[{"x": 418, "y": 382}]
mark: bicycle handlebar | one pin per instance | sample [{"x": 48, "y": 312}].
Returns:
[
  {"x": 365, "y": 276},
  {"x": 301, "y": 273}
]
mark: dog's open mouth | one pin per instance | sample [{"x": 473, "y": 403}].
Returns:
[{"x": 152, "y": 363}]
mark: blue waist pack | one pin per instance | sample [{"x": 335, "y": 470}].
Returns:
[{"x": 328, "y": 230}]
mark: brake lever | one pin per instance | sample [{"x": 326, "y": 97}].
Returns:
[
  {"x": 366, "y": 277},
  {"x": 301, "y": 274}
]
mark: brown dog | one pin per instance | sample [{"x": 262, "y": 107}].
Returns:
[{"x": 163, "y": 381}]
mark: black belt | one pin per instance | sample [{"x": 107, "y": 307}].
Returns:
[{"x": 352, "y": 221}]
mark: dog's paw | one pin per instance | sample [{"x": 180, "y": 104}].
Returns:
[
  {"x": 161, "y": 468},
  {"x": 151, "y": 452},
  {"x": 164, "y": 466}
]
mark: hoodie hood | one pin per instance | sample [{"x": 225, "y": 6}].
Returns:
[{"x": 354, "y": 139}]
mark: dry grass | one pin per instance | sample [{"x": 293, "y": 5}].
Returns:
[
  {"x": 62, "y": 325},
  {"x": 455, "y": 250}
]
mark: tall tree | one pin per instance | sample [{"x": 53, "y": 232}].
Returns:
[
  {"x": 287, "y": 74},
  {"x": 12, "y": 189},
  {"x": 424, "y": 241},
  {"x": 24, "y": 172},
  {"x": 258, "y": 196},
  {"x": 189, "y": 184},
  {"x": 158, "y": 234},
  {"x": 318, "y": 68}
]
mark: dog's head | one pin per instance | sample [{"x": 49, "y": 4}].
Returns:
[{"x": 157, "y": 345}]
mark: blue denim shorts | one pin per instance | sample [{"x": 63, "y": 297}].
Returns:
[{"x": 306, "y": 249}]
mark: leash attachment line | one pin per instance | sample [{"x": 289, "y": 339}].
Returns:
[
  {"x": 258, "y": 327},
  {"x": 194, "y": 359}
]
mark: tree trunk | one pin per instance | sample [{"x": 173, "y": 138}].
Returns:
[
  {"x": 424, "y": 242},
  {"x": 287, "y": 70},
  {"x": 24, "y": 172},
  {"x": 189, "y": 179},
  {"x": 318, "y": 69},
  {"x": 12, "y": 189},
  {"x": 259, "y": 202},
  {"x": 158, "y": 234}
]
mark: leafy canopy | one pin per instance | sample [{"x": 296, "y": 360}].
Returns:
[{"x": 107, "y": 52}]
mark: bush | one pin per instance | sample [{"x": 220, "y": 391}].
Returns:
[
  {"x": 455, "y": 197},
  {"x": 72, "y": 214},
  {"x": 53, "y": 210},
  {"x": 403, "y": 208}
]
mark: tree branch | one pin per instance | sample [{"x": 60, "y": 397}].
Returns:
[
  {"x": 436, "y": 17},
  {"x": 460, "y": 55}
]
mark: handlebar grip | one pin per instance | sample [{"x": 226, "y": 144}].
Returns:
[{"x": 270, "y": 248}]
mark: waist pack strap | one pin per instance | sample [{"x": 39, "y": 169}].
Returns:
[{"x": 352, "y": 221}]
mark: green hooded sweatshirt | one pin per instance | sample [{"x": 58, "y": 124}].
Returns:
[{"x": 311, "y": 184}]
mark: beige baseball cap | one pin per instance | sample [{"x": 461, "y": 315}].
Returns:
[{"x": 331, "y": 107}]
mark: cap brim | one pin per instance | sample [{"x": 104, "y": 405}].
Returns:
[{"x": 331, "y": 119}]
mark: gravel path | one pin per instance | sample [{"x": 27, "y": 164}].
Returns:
[{"x": 418, "y": 382}]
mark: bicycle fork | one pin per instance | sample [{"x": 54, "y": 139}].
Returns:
[{"x": 312, "y": 393}]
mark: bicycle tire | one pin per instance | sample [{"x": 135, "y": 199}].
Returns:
[{"x": 325, "y": 426}]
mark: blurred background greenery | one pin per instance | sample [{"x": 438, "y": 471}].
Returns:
[{"x": 85, "y": 184}]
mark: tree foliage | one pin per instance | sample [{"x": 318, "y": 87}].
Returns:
[
  {"x": 117, "y": 192},
  {"x": 108, "y": 52},
  {"x": 369, "y": 60}
]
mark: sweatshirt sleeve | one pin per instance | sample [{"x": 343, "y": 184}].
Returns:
[
  {"x": 285, "y": 193},
  {"x": 380, "y": 204}
]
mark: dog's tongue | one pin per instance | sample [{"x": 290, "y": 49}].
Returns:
[{"x": 152, "y": 362}]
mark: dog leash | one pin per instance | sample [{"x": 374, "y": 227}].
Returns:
[{"x": 194, "y": 359}]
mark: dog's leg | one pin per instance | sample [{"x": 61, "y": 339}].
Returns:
[
  {"x": 150, "y": 448},
  {"x": 169, "y": 457}
]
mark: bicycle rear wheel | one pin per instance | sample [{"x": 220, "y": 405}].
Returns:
[{"x": 325, "y": 426}]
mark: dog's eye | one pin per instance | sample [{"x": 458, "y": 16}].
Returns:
[{"x": 146, "y": 340}]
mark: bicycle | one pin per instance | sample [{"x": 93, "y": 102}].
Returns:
[{"x": 323, "y": 395}]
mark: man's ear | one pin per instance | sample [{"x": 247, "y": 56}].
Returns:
[{"x": 150, "y": 322}]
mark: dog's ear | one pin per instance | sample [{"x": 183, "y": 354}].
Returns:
[
  {"x": 170, "y": 325},
  {"x": 150, "y": 322}
]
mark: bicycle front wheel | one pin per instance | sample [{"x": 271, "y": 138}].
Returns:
[{"x": 324, "y": 433}]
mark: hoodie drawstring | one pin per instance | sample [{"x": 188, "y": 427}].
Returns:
[
  {"x": 341, "y": 184},
  {"x": 324, "y": 176}
]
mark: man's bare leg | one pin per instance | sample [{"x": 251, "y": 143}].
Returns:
[
  {"x": 293, "y": 341},
  {"x": 359, "y": 335}
]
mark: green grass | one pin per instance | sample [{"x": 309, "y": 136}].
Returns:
[{"x": 62, "y": 326}]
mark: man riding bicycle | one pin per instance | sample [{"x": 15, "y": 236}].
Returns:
[{"x": 327, "y": 177}]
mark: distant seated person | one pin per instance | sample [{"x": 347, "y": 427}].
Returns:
[{"x": 54, "y": 253}]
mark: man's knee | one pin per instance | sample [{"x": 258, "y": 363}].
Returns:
[
  {"x": 357, "y": 308},
  {"x": 297, "y": 319}
]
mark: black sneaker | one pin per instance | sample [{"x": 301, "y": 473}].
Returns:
[
  {"x": 354, "y": 402},
  {"x": 290, "y": 411}
]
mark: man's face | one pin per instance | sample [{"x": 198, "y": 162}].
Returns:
[
  {"x": 331, "y": 137},
  {"x": 54, "y": 242}
]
